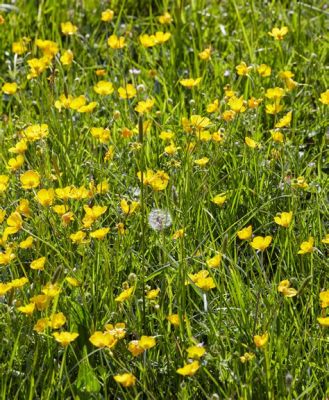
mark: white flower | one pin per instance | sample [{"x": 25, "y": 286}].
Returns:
[{"x": 159, "y": 219}]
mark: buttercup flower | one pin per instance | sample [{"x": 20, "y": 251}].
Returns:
[
  {"x": 261, "y": 340},
  {"x": 126, "y": 380},
  {"x": 189, "y": 369},
  {"x": 68, "y": 28},
  {"x": 307, "y": 246},
  {"x": 261, "y": 243},
  {"x": 278, "y": 33},
  {"x": 284, "y": 219}
]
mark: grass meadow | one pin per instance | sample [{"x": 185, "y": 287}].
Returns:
[{"x": 164, "y": 223}]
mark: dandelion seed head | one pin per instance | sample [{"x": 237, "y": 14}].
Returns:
[{"x": 159, "y": 219}]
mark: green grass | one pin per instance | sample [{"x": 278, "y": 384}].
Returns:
[{"x": 259, "y": 184}]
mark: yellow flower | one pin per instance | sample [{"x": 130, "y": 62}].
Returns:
[
  {"x": 35, "y": 132},
  {"x": 104, "y": 88},
  {"x": 205, "y": 55},
  {"x": 128, "y": 208},
  {"x": 264, "y": 70},
  {"x": 103, "y": 339},
  {"x": 48, "y": 48},
  {"x": 2, "y": 215},
  {"x": 116, "y": 42},
  {"x": 15, "y": 223},
  {"x": 56, "y": 321},
  {"x": 4, "y": 288},
  {"x": 251, "y": 142},
  {"x": 15, "y": 163},
  {"x": 146, "y": 342},
  {"x": 219, "y": 199},
  {"x": 145, "y": 106},
  {"x": 254, "y": 103},
  {"x": 41, "y": 325},
  {"x": 215, "y": 261},
  {"x": 118, "y": 330},
  {"x": 190, "y": 82},
  {"x": 18, "y": 283},
  {"x": 39, "y": 263},
  {"x": 37, "y": 66},
  {"x": 261, "y": 243},
  {"x": 284, "y": 121},
  {"x": 275, "y": 93},
  {"x": 324, "y": 299},
  {"x": 157, "y": 180},
  {"x": 247, "y": 357},
  {"x": 162, "y": 37},
  {"x": 152, "y": 294},
  {"x": 325, "y": 240},
  {"x": 30, "y": 179},
  {"x": 178, "y": 234},
  {"x": 27, "y": 309},
  {"x": 124, "y": 295},
  {"x": 45, "y": 197},
  {"x": 67, "y": 57},
  {"x": 41, "y": 301},
  {"x": 283, "y": 219},
  {"x": 19, "y": 148},
  {"x": 134, "y": 348},
  {"x": 237, "y": 104},
  {"x": 127, "y": 92},
  {"x": 99, "y": 233},
  {"x": 274, "y": 108},
  {"x": 88, "y": 108},
  {"x": 196, "y": 352},
  {"x": 325, "y": 97},
  {"x": 78, "y": 237},
  {"x": 73, "y": 281},
  {"x": 92, "y": 214},
  {"x": 165, "y": 19},
  {"x": 102, "y": 134},
  {"x": 171, "y": 149},
  {"x": 20, "y": 47},
  {"x": 202, "y": 161},
  {"x": 307, "y": 247},
  {"x": 300, "y": 182},
  {"x": 277, "y": 136},
  {"x": 261, "y": 340},
  {"x": 198, "y": 122},
  {"x": 27, "y": 243},
  {"x": 218, "y": 136},
  {"x": 126, "y": 380},
  {"x": 324, "y": 321},
  {"x": 9, "y": 88},
  {"x": 68, "y": 28},
  {"x": 189, "y": 369},
  {"x": 7, "y": 256},
  {"x": 51, "y": 289},
  {"x": 205, "y": 283},
  {"x": 65, "y": 338},
  {"x": 213, "y": 107},
  {"x": 242, "y": 69},
  {"x": 228, "y": 115},
  {"x": 286, "y": 290},
  {"x": 173, "y": 319},
  {"x": 100, "y": 72},
  {"x": 245, "y": 233},
  {"x": 147, "y": 40},
  {"x": 278, "y": 33},
  {"x": 107, "y": 15},
  {"x": 73, "y": 103}
]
